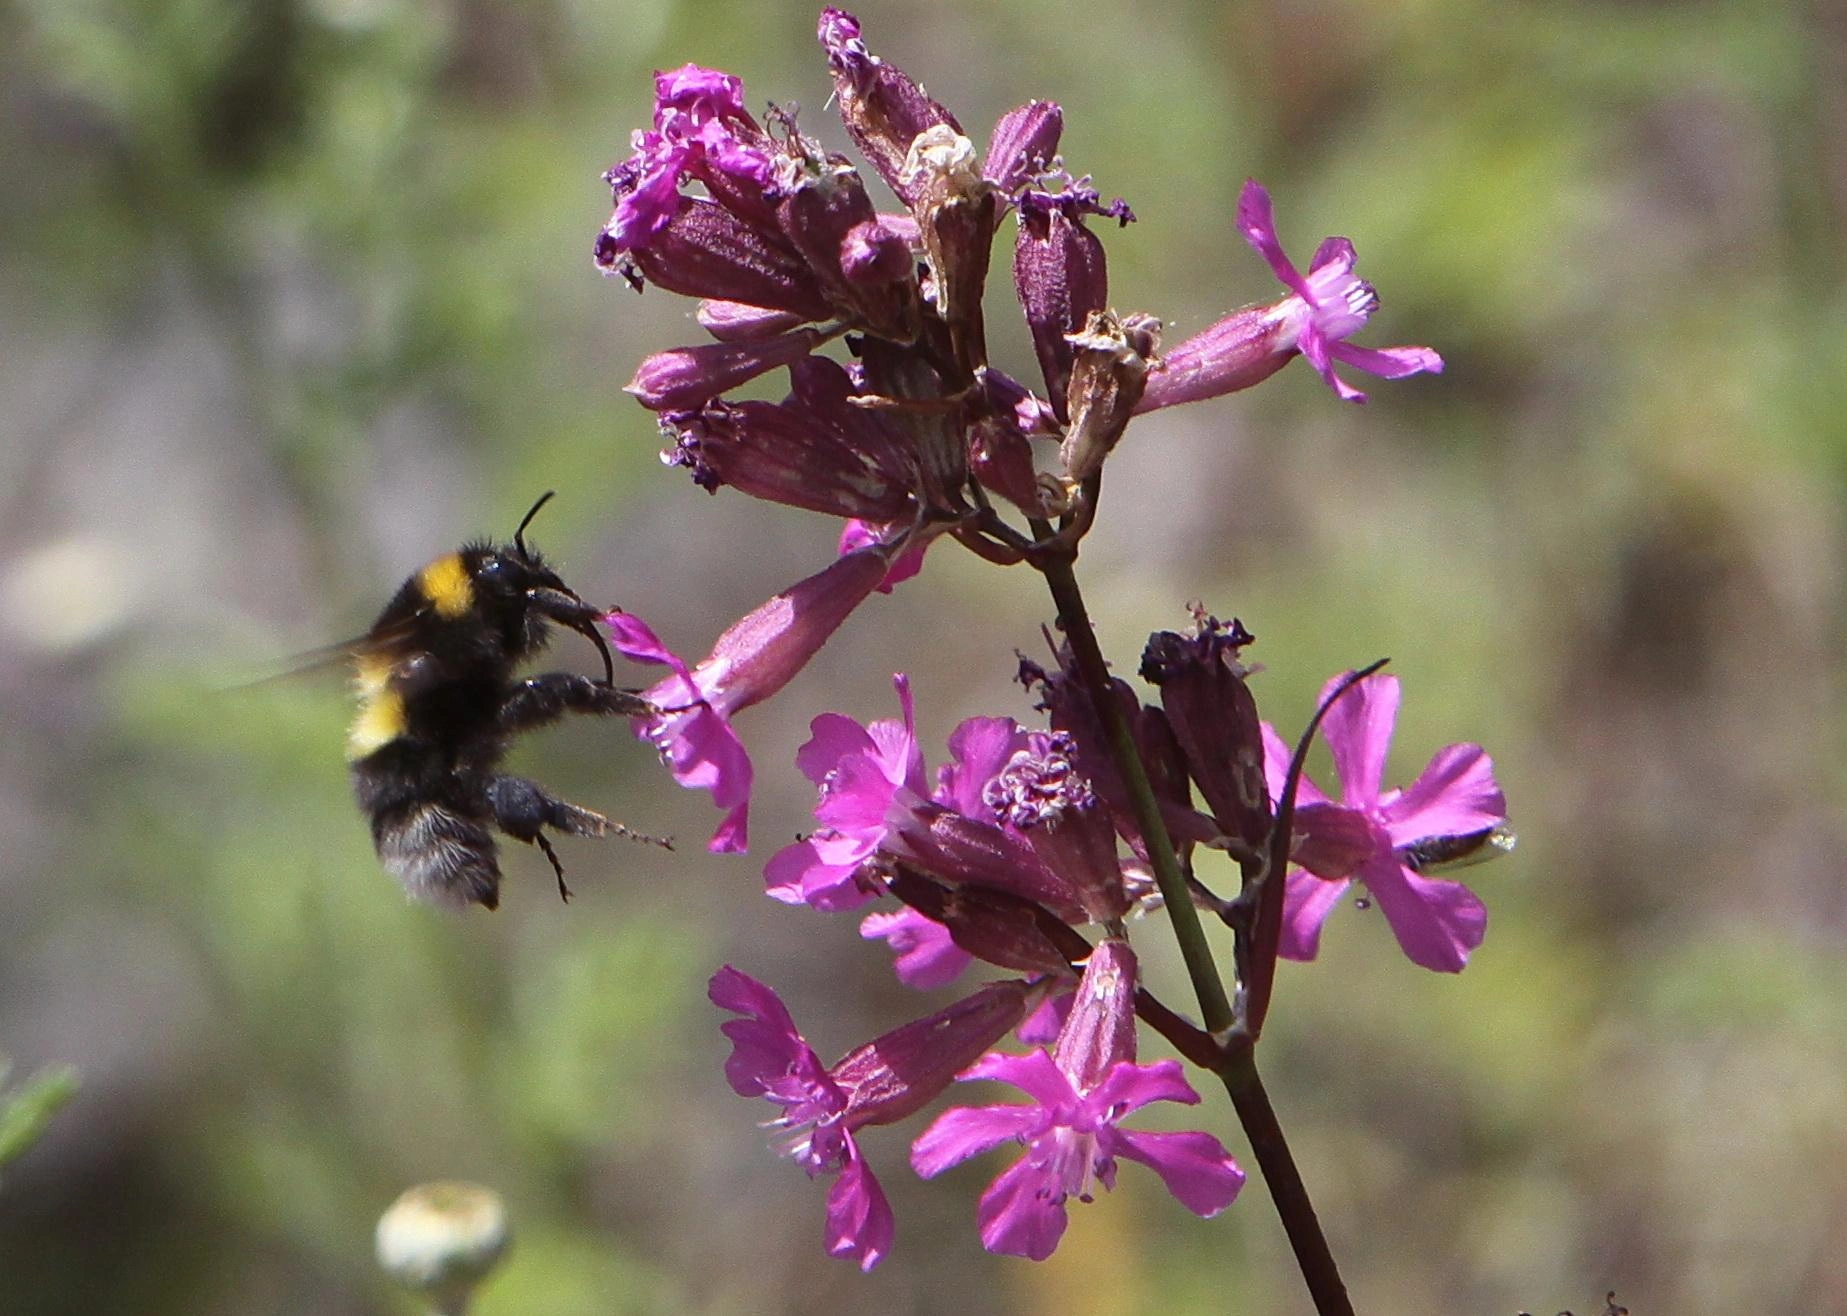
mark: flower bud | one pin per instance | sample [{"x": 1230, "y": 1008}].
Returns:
[
  {"x": 442, "y": 1239},
  {"x": 1023, "y": 145},
  {"x": 1213, "y": 716},
  {"x": 682, "y": 378}
]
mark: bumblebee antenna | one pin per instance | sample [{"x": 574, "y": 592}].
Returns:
[{"x": 519, "y": 540}]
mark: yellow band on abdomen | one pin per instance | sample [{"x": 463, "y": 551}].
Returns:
[{"x": 380, "y": 721}]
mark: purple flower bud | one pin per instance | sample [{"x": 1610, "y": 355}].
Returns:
[
  {"x": 1212, "y": 714},
  {"x": 1001, "y": 457},
  {"x": 1244, "y": 348},
  {"x": 703, "y": 250},
  {"x": 1023, "y": 145},
  {"x": 878, "y": 251},
  {"x": 963, "y": 851},
  {"x": 1060, "y": 279},
  {"x": 687, "y": 377},
  {"x": 826, "y": 215},
  {"x": 775, "y": 452},
  {"x": 884, "y": 111},
  {"x": 900, "y": 1072},
  {"x": 1108, "y": 373},
  {"x": 816, "y": 450},
  {"x": 1100, "y": 1032},
  {"x": 734, "y": 322},
  {"x": 994, "y": 926}
]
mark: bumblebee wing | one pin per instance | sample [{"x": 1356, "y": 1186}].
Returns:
[{"x": 390, "y": 640}]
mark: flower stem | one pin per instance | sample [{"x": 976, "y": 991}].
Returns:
[
  {"x": 1284, "y": 1181},
  {"x": 1237, "y": 1066},
  {"x": 1195, "y": 950}
]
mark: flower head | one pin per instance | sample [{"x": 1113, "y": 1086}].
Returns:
[
  {"x": 886, "y": 1080},
  {"x": 756, "y": 657},
  {"x": 1369, "y": 835},
  {"x": 1324, "y": 308},
  {"x": 1071, "y": 1128}
]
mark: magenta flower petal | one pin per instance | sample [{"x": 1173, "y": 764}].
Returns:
[
  {"x": 1257, "y": 221},
  {"x": 1358, "y": 730},
  {"x": 1129, "y": 1087},
  {"x": 1035, "y": 1074},
  {"x": 979, "y": 748},
  {"x": 704, "y": 753},
  {"x": 635, "y": 640},
  {"x": 694, "y": 738},
  {"x": 1021, "y": 1214},
  {"x": 1276, "y": 756},
  {"x": 1316, "y": 349},
  {"x": 962, "y": 1132},
  {"x": 769, "y": 1057},
  {"x": 1438, "y": 923},
  {"x": 1196, "y": 1168},
  {"x": 1454, "y": 796},
  {"x": 1389, "y": 362},
  {"x": 926, "y": 956},
  {"x": 860, "y": 1225},
  {"x": 1307, "y": 902},
  {"x": 832, "y": 737},
  {"x": 799, "y": 874}
]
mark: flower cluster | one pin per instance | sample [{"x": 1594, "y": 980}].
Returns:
[
  {"x": 1033, "y": 849},
  {"x": 916, "y": 433}
]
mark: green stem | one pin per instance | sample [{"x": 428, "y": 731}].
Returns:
[
  {"x": 1237, "y": 1065},
  {"x": 1195, "y": 950},
  {"x": 1284, "y": 1181}
]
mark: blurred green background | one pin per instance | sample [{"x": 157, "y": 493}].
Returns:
[{"x": 295, "y": 294}]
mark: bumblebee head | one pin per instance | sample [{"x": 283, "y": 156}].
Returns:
[{"x": 513, "y": 584}]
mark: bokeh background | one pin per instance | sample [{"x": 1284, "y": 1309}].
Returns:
[{"x": 297, "y": 293}]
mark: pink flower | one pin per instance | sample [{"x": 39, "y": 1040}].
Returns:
[
  {"x": 752, "y": 660},
  {"x": 886, "y": 1080},
  {"x": 1370, "y": 833},
  {"x": 1325, "y": 308},
  {"x": 868, "y": 775},
  {"x": 1071, "y": 1131},
  {"x": 1331, "y": 303}
]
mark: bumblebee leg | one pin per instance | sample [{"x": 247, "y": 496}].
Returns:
[
  {"x": 523, "y": 808},
  {"x": 564, "y": 892},
  {"x": 550, "y": 695}
]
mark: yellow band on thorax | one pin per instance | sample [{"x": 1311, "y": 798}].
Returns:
[{"x": 446, "y": 585}]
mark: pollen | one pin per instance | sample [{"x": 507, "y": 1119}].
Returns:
[{"x": 446, "y": 585}]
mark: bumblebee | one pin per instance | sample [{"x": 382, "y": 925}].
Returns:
[{"x": 439, "y": 701}]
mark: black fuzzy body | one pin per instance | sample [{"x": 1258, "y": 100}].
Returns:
[{"x": 441, "y": 699}]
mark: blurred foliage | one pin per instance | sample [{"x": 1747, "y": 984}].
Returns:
[
  {"x": 296, "y": 293},
  {"x": 28, "y": 1107}
]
